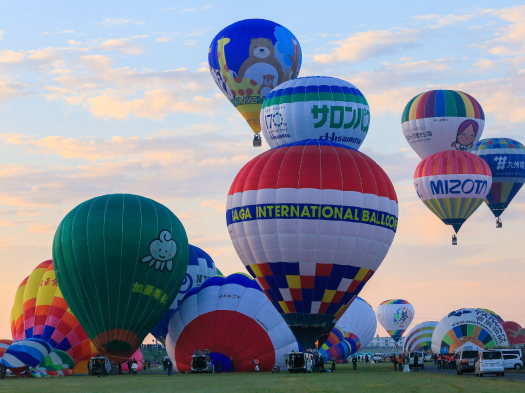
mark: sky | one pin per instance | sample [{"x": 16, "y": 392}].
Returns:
[{"x": 103, "y": 97}]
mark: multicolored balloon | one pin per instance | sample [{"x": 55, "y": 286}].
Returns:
[
  {"x": 440, "y": 120},
  {"x": 200, "y": 268},
  {"x": 232, "y": 318},
  {"x": 468, "y": 326},
  {"x": 29, "y": 351},
  {"x": 359, "y": 324},
  {"x": 506, "y": 160},
  {"x": 453, "y": 184},
  {"x": 120, "y": 261},
  {"x": 335, "y": 346},
  {"x": 316, "y": 107},
  {"x": 248, "y": 59},
  {"x": 4, "y": 344},
  {"x": 420, "y": 337},
  {"x": 515, "y": 333},
  {"x": 30, "y": 292},
  {"x": 58, "y": 360},
  {"x": 312, "y": 221},
  {"x": 17, "y": 312},
  {"x": 139, "y": 357},
  {"x": 395, "y": 316}
]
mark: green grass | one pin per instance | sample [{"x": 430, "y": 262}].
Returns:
[{"x": 376, "y": 378}]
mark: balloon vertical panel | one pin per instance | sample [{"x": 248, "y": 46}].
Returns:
[{"x": 122, "y": 259}]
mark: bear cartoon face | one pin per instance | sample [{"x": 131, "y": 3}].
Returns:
[
  {"x": 261, "y": 48},
  {"x": 163, "y": 249},
  {"x": 268, "y": 80}
]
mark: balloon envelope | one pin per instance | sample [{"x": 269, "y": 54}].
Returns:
[
  {"x": 506, "y": 160},
  {"x": 515, "y": 333},
  {"x": 200, "y": 268},
  {"x": 30, "y": 292},
  {"x": 440, "y": 120},
  {"x": 248, "y": 59},
  {"x": 452, "y": 184},
  {"x": 58, "y": 360},
  {"x": 232, "y": 318},
  {"x": 359, "y": 324},
  {"x": 17, "y": 312},
  {"x": 312, "y": 221},
  {"x": 335, "y": 346},
  {"x": 316, "y": 107},
  {"x": 4, "y": 344},
  {"x": 420, "y": 337},
  {"x": 395, "y": 316},
  {"x": 120, "y": 261},
  {"x": 29, "y": 351},
  {"x": 468, "y": 327},
  {"x": 138, "y": 357}
]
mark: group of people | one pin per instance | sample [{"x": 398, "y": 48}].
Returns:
[
  {"x": 168, "y": 365},
  {"x": 232, "y": 365},
  {"x": 445, "y": 361},
  {"x": 132, "y": 366}
]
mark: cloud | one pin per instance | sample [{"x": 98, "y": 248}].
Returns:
[
  {"x": 124, "y": 45},
  {"x": 109, "y": 22},
  {"x": 451, "y": 19},
  {"x": 59, "y": 32},
  {"x": 10, "y": 90},
  {"x": 203, "y": 8},
  {"x": 42, "y": 229},
  {"x": 9, "y": 56},
  {"x": 1, "y": 35},
  {"x": 366, "y": 45},
  {"x": 510, "y": 40}
]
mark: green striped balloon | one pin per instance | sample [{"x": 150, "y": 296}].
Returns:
[{"x": 120, "y": 261}]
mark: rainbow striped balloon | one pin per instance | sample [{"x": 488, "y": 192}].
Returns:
[
  {"x": 439, "y": 120},
  {"x": 452, "y": 184},
  {"x": 335, "y": 346},
  {"x": 395, "y": 316},
  {"x": 17, "y": 312},
  {"x": 420, "y": 337}
]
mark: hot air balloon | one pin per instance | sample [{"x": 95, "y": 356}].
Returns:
[
  {"x": 312, "y": 221},
  {"x": 57, "y": 360},
  {"x": 4, "y": 344},
  {"x": 359, "y": 325},
  {"x": 139, "y": 357},
  {"x": 395, "y": 316},
  {"x": 317, "y": 107},
  {"x": 452, "y": 184},
  {"x": 29, "y": 351},
  {"x": 515, "y": 333},
  {"x": 440, "y": 120},
  {"x": 420, "y": 337},
  {"x": 120, "y": 261},
  {"x": 17, "y": 312},
  {"x": 30, "y": 292},
  {"x": 232, "y": 318},
  {"x": 248, "y": 59},
  {"x": 335, "y": 346},
  {"x": 55, "y": 324},
  {"x": 506, "y": 160},
  {"x": 470, "y": 327},
  {"x": 200, "y": 268}
]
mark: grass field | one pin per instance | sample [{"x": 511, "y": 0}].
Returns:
[{"x": 376, "y": 378}]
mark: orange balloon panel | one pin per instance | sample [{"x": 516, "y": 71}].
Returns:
[
  {"x": 4, "y": 344},
  {"x": 33, "y": 283},
  {"x": 17, "y": 312}
]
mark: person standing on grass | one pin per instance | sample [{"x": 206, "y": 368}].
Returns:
[
  {"x": 393, "y": 360},
  {"x": 134, "y": 367},
  {"x": 439, "y": 361},
  {"x": 400, "y": 362},
  {"x": 219, "y": 367},
  {"x": 354, "y": 362},
  {"x": 367, "y": 360},
  {"x": 169, "y": 366},
  {"x": 256, "y": 362},
  {"x": 333, "y": 363},
  {"x": 416, "y": 361},
  {"x": 232, "y": 365}
]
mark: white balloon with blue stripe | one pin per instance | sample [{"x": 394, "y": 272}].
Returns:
[{"x": 30, "y": 351}]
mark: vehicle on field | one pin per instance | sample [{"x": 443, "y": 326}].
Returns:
[
  {"x": 99, "y": 365},
  {"x": 489, "y": 362},
  {"x": 420, "y": 362},
  {"x": 512, "y": 358},
  {"x": 428, "y": 357},
  {"x": 378, "y": 358},
  {"x": 466, "y": 361},
  {"x": 201, "y": 362},
  {"x": 299, "y": 362}
]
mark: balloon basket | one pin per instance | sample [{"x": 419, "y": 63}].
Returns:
[
  {"x": 257, "y": 140},
  {"x": 454, "y": 240},
  {"x": 499, "y": 224}
]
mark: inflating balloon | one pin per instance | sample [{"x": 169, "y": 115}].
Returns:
[
  {"x": 359, "y": 325},
  {"x": 420, "y": 337},
  {"x": 335, "y": 346},
  {"x": 515, "y": 333},
  {"x": 395, "y": 316},
  {"x": 120, "y": 261},
  {"x": 29, "y": 351},
  {"x": 17, "y": 312},
  {"x": 30, "y": 292},
  {"x": 312, "y": 221},
  {"x": 136, "y": 356},
  {"x": 4, "y": 344},
  {"x": 468, "y": 327},
  {"x": 440, "y": 120},
  {"x": 57, "y": 360},
  {"x": 316, "y": 107},
  {"x": 200, "y": 268},
  {"x": 248, "y": 59},
  {"x": 233, "y": 319},
  {"x": 506, "y": 160},
  {"x": 452, "y": 184}
]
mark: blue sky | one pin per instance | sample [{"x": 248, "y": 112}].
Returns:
[{"x": 105, "y": 97}]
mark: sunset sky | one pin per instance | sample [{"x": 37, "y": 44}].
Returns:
[{"x": 102, "y": 97}]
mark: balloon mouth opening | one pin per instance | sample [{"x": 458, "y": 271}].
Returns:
[
  {"x": 310, "y": 337},
  {"x": 455, "y": 222},
  {"x": 117, "y": 344}
]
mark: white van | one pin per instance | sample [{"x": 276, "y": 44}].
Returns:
[
  {"x": 489, "y": 361},
  {"x": 512, "y": 358}
]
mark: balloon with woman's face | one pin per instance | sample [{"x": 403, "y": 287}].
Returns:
[{"x": 440, "y": 120}]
